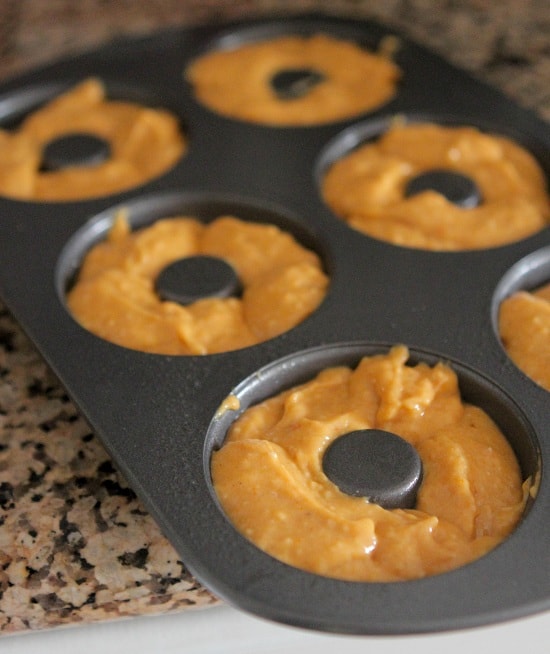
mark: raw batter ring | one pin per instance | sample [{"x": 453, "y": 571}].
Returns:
[
  {"x": 327, "y": 79},
  {"x": 277, "y": 283},
  {"x": 45, "y": 159},
  {"x": 438, "y": 187}
]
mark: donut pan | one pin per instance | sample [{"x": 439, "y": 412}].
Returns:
[{"x": 158, "y": 415}]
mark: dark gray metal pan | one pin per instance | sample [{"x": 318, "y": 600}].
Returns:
[{"x": 156, "y": 414}]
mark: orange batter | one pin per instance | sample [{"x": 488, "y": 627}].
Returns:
[
  {"x": 367, "y": 188},
  {"x": 238, "y": 82},
  {"x": 115, "y": 297},
  {"x": 144, "y": 143},
  {"x": 524, "y": 324},
  {"x": 269, "y": 479}
]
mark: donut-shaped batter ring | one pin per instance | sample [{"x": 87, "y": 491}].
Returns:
[
  {"x": 115, "y": 297},
  {"x": 367, "y": 188},
  {"x": 143, "y": 144},
  {"x": 239, "y": 82},
  {"x": 270, "y": 481}
]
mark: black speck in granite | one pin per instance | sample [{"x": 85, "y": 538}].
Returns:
[
  {"x": 6, "y": 496},
  {"x": 137, "y": 559},
  {"x": 7, "y": 339},
  {"x": 76, "y": 545}
]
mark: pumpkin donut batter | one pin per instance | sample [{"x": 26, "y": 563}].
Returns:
[
  {"x": 524, "y": 324},
  {"x": 143, "y": 143},
  {"x": 239, "y": 82},
  {"x": 269, "y": 478},
  {"x": 367, "y": 188},
  {"x": 115, "y": 298}
]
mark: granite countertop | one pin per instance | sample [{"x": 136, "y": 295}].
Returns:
[{"x": 76, "y": 545}]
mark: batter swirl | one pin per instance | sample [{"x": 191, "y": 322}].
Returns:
[
  {"x": 240, "y": 82},
  {"x": 269, "y": 478},
  {"x": 115, "y": 296},
  {"x": 142, "y": 144},
  {"x": 367, "y": 188}
]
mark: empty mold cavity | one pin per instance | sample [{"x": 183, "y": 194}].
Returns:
[
  {"x": 303, "y": 69},
  {"x": 521, "y": 315},
  {"x": 414, "y": 181},
  {"x": 71, "y": 141},
  {"x": 194, "y": 273},
  {"x": 397, "y": 487}
]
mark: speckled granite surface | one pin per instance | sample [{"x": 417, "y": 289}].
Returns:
[{"x": 75, "y": 543}]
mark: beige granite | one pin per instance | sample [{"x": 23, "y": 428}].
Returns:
[{"x": 76, "y": 545}]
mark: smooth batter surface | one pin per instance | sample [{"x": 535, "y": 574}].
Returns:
[
  {"x": 115, "y": 297},
  {"x": 367, "y": 188},
  {"x": 144, "y": 143},
  {"x": 524, "y": 324},
  {"x": 269, "y": 479},
  {"x": 237, "y": 82}
]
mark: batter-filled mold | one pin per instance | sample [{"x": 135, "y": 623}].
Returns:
[
  {"x": 294, "y": 79},
  {"x": 378, "y": 472},
  {"x": 208, "y": 276},
  {"x": 78, "y": 143},
  {"x": 434, "y": 185}
]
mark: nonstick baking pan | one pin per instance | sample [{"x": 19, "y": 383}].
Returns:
[{"x": 157, "y": 415}]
